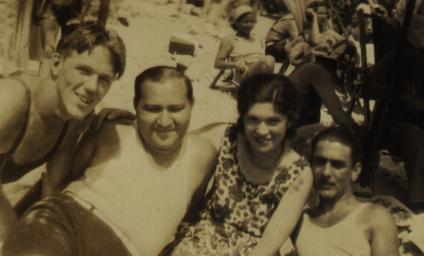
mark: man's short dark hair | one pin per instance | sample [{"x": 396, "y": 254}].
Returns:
[
  {"x": 158, "y": 74},
  {"x": 341, "y": 135},
  {"x": 88, "y": 35}
]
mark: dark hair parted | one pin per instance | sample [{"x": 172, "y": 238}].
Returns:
[
  {"x": 88, "y": 35},
  {"x": 273, "y": 88},
  {"x": 342, "y": 135},
  {"x": 158, "y": 74}
]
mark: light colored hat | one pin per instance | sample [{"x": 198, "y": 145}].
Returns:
[{"x": 238, "y": 11}]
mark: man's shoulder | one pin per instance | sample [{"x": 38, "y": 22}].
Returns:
[
  {"x": 202, "y": 154},
  {"x": 12, "y": 91},
  {"x": 113, "y": 131},
  {"x": 200, "y": 145},
  {"x": 14, "y": 103},
  {"x": 374, "y": 215}
]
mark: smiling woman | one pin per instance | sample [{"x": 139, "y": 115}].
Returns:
[
  {"x": 38, "y": 115},
  {"x": 257, "y": 173}
]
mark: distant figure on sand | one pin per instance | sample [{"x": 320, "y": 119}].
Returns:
[{"x": 243, "y": 52}]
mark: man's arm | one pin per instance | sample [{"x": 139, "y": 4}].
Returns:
[
  {"x": 13, "y": 105},
  {"x": 207, "y": 157},
  {"x": 384, "y": 234},
  {"x": 69, "y": 162},
  {"x": 285, "y": 217}
]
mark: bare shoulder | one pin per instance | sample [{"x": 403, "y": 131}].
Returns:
[
  {"x": 12, "y": 95},
  {"x": 13, "y": 105},
  {"x": 202, "y": 154},
  {"x": 228, "y": 40},
  {"x": 376, "y": 216},
  {"x": 114, "y": 131},
  {"x": 201, "y": 147}
]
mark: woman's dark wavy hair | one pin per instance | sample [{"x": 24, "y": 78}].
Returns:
[
  {"x": 88, "y": 35},
  {"x": 158, "y": 74},
  {"x": 263, "y": 88}
]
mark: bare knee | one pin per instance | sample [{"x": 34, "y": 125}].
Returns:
[{"x": 267, "y": 63}]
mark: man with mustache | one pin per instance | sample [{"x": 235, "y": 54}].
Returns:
[
  {"x": 341, "y": 224},
  {"x": 140, "y": 180}
]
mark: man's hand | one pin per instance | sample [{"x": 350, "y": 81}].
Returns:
[{"x": 111, "y": 114}]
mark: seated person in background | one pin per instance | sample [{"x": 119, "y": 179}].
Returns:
[
  {"x": 315, "y": 86},
  {"x": 340, "y": 224},
  {"x": 138, "y": 184},
  {"x": 257, "y": 176},
  {"x": 40, "y": 115},
  {"x": 242, "y": 51},
  {"x": 289, "y": 44}
]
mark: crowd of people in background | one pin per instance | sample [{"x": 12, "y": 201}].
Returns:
[{"x": 182, "y": 196}]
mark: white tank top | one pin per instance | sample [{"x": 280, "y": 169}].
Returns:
[
  {"x": 143, "y": 201},
  {"x": 248, "y": 50},
  {"x": 342, "y": 239}
]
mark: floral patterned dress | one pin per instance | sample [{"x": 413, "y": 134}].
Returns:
[{"x": 237, "y": 210}]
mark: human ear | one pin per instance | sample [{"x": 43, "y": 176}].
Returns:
[
  {"x": 356, "y": 170},
  {"x": 55, "y": 64}
]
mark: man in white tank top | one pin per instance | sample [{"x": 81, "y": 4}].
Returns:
[
  {"x": 341, "y": 224},
  {"x": 137, "y": 182}
]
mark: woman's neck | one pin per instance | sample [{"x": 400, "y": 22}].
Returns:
[{"x": 262, "y": 160}]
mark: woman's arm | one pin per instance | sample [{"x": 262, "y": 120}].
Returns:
[{"x": 286, "y": 216}]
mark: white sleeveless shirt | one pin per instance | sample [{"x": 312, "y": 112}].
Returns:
[
  {"x": 342, "y": 239},
  {"x": 143, "y": 201}
]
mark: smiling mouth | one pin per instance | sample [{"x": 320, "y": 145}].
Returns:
[
  {"x": 262, "y": 141},
  {"x": 85, "y": 99}
]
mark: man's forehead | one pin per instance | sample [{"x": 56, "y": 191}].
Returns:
[
  {"x": 166, "y": 85},
  {"x": 334, "y": 148},
  {"x": 68, "y": 53}
]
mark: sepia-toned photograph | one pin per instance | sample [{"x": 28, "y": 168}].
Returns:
[{"x": 212, "y": 127}]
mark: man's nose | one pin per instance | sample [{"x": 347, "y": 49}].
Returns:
[
  {"x": 91, "y": 83},
  {"x": 326, "y": 169},
  {"x": 164, "y": 119}
]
